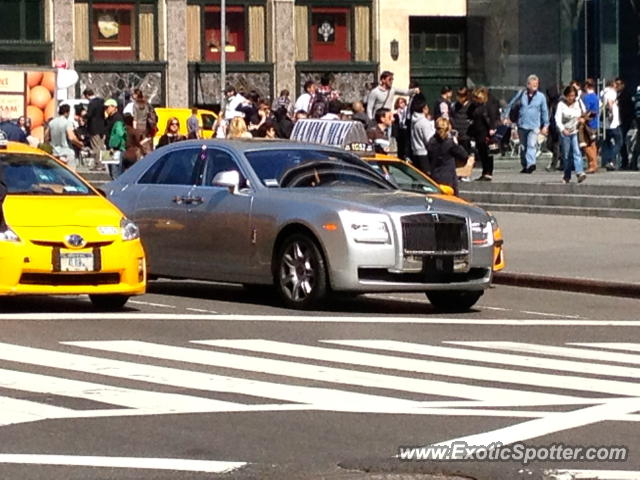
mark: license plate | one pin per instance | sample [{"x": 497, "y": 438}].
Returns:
[{"x": 76, "y": 262}]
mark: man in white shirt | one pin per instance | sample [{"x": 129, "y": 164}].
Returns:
[
  {"x": 383, "y": 95},
  {"x": 305, "y": 101},
  {"x": 613, "y": 135},
  {"x": 234, "y": 99}
]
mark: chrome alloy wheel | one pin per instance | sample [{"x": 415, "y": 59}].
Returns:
[{"x": 298, "y": 271}]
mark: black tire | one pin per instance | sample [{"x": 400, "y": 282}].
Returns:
[
  {"x": 300, "y": 274},
  {"x": 109, "y": 302},
  {"x": 453, "y": 300}
]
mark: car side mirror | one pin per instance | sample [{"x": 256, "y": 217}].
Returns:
[
  {"x": 447, "y": 190},
  {"x": 229, "y": 179}
]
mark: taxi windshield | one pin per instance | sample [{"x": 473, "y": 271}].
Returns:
[
  {"x": 405, "y": 177},
  {"x": 28, "y": 174},
  {"x": 299, "y": 168}
]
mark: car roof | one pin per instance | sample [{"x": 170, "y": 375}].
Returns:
[
  {"x": 19, "y": 147},
  {"x": 251, "y": 144}
]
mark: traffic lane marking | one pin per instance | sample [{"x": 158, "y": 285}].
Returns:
[
  {"x": 312, "y": 318},
  {"x": 150, "y": 304},
  {"x": 330, "y": 374},
  {"x": 473, "y": 372},
  {"x": 553, "y": 423},
  {"x": 177, "y": 464},
  {"x": 423, "y": 299},
  {"x": 483, "y": 356},
  {"x": 555, "y": 351}
]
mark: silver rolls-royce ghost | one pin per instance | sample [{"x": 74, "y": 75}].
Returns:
[{"x": 306, "y": 219}]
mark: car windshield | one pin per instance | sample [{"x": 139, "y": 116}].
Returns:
[
  {"x": 304, "y": 168},
  {"x": 405, "y": 177},
  {"x": 28, "y": 174}
]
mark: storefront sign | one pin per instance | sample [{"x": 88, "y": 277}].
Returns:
[
  {"x": 11, "y": 81},
  {"x": 11, "y": 105}
]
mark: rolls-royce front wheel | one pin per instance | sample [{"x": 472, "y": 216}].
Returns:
[{"x": 300, "y": 274}]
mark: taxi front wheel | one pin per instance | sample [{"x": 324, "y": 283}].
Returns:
[{"x": 109, "y": 302}]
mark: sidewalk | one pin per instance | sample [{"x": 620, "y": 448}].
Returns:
[{"x": 582, "y": 254}]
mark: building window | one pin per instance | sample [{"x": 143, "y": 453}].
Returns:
[
  {"x": 245, "y": 31},
  {"x": 112, "y": 32},
  {"x": 235, "y": 35},
  {"x": 22, "y": 20},
  {"x": 330, "y": 34},
  {"x": 115, "y": 31}
]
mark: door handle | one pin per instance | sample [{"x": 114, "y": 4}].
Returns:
[
  {"x": 179, "y": 200},
  {"x": 194, "y": 200}
]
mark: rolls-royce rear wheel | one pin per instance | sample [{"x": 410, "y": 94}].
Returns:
[
  {"x": 300, "y": 273},
  {"x": 453, "y": 300}
]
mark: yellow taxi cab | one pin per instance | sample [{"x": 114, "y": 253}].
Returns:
[
  {"x": 206, "y": 120},
  {"x": 61, "y": 236},
  {"x": 408, "y": 177}
]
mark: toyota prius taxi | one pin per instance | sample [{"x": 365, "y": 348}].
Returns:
[{"x": 61, "y": 236}]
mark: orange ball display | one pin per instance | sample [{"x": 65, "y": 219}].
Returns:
[
  {"x": 39, "y": 96},
  {"x": 49, "y": 81},
  {"x": 34, "y": 78},
  {"x": 36, "y": 115},
  {"x": 50, "y": 110}
]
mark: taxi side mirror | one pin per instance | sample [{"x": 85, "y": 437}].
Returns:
[{"x": 447, "y": 190}]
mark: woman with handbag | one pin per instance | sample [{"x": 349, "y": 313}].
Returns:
[{"x": 568, "y": 118}]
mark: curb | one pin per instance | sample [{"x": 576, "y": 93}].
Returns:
[{"x": 579, "y": 285}]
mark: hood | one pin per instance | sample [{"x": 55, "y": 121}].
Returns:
[
  {"x": 383, "y": 201},
  {"x": 59, "y": 211}
]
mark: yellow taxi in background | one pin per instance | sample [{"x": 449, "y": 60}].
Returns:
[
  {"x": 407, "y": 177},
  {"x": 206, "y": 120},
  {"x": 62, "y": 237}
]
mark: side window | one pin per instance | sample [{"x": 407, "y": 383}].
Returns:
[
  {"x": 219, "y": 161},
  {"x": 207, "y": 121},
  {"x": 175, "y": 168}
]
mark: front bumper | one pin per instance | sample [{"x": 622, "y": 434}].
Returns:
[
  {"x": 361, "y": 267},
  {"x": 30, "y": 269}
]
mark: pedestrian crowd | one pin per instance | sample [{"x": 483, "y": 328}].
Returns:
[{"x": 459, "y": 128}]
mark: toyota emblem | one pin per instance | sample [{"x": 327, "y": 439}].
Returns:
[{"x": 75, "y": 241}]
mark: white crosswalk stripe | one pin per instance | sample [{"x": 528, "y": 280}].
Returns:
[{"x": 503, "y": 379}]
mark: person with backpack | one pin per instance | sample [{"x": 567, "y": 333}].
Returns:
[
  {"x": 145, "y": 120},
  {"x": 528, "y": 109}
]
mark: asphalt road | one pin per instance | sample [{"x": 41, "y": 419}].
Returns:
[{"x": 195, "y": 378}]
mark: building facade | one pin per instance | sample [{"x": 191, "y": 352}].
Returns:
[{"x": 171, "y": 48}]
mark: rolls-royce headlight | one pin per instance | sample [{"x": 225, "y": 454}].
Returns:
[
  {"x": 482, "y": 233},
  {"x": 130, "y": 230},
  {"x": 366, "y": 227}
]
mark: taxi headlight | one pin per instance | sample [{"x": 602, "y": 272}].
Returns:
[
  {"x": 9, "y": 236},
  {"x": 130, "y": 230},
  {"x": 482, "y": 233},
  {"x": 366, "y": 227}
]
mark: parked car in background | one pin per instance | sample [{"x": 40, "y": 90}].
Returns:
[
  {"x": 206, "y": 120},
  {"x": 303, "y": 218},
  {"x": 63, "y": 237}
]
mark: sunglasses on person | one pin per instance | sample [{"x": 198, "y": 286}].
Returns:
[{"x": 174, "y": 123}]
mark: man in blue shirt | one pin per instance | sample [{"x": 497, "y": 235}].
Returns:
[
  {"x": 533, "y": 118},
  {"x": 592, "y": 107}
]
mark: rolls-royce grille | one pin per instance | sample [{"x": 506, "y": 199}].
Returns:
[{"x": 434, "y": 233}]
